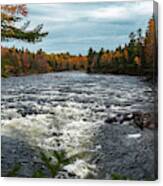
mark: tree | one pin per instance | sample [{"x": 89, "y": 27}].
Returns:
[
  {"x": 150, "y": 42},
  {"x": 150, "y": 48},
  {"x": 10, "y": 15},
  {"x": 132, "y": 37},
  {"x": 99, "y": 57},
  {"x": 132, "y": 47},
  {"x": 90, "y": 59},
  {"x": 25, "y": 60},
  {"x": 139, "y": 32}
]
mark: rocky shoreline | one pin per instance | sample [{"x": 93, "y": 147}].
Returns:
[{"x": 127, "y": 151}]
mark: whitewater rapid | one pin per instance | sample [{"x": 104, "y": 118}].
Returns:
[{"x": 65, "y": 111}]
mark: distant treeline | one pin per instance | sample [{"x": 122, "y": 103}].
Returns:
[
  {"x": 23, "y": 62},
  {"x": 138, "y": 57}
]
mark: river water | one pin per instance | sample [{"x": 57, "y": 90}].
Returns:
[{"x": 68, "y": 111}]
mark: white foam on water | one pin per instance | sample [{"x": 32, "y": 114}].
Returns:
[
  {"x": 74, "y": 102},
  {"x": 42, "y": 131},
  {"x": 10, "y": 113},
  {"x": 80, "y": 168},
  {"x": 138, "y": 135}
]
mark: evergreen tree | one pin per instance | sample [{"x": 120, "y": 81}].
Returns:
[
  {"x": 10, "y": 15},
  {"x": 90, "y": 59}
]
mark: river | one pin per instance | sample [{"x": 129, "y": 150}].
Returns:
[{"x": 70, "y": 111}]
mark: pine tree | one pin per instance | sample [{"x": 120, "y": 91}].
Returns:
[{"x": 10, "y": 15}]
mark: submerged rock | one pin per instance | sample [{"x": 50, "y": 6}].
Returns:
[
  {"x": 139, "y": 119},
  {"x": 144, "y": 120},
  {"x": 28, "y": 111},
  {"x": 111, "y": 120},
  {"x": 119, "y": 118}
]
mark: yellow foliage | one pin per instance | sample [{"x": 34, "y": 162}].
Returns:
[{"x": 137, "y": 60}]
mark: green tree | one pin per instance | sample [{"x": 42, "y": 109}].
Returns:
[
  {"x": 90, "y": 59},
  {"x": 99, "y": 57}
]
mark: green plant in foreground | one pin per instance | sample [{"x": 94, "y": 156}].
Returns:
[
  {"x": 116, "y": 176},
  {"x": 14, "y": 171},
  {"x": 54, "y": 163},
  {"x": 38, "y": 174}
]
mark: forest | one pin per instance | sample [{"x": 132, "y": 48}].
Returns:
[{"x": 138, "y": 57}]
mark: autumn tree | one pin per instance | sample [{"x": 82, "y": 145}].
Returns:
[
  {"x": 150, "y": 48},
  {"x": 12, "y": 14}
]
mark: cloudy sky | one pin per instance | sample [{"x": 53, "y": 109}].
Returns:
[{"x": 74, "y": 27}]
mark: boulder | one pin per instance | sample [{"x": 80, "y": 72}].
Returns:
[{"x": 144, "y": 120}]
